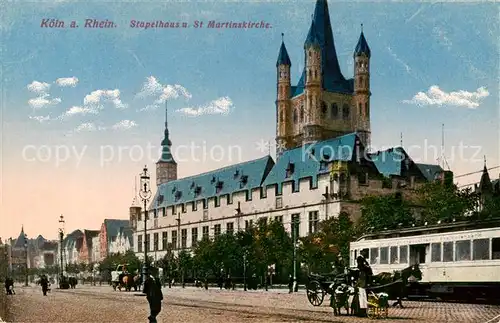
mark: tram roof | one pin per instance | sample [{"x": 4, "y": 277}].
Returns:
[{"x": 436, "y": 228}]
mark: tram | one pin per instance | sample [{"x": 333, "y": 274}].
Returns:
[{"x": 459, "y": 261}]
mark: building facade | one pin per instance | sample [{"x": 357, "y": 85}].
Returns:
[
  {"x": 323, "y": 167},
  {"x": 123, "y": 241},
  {"x": 110, "y": 229}
]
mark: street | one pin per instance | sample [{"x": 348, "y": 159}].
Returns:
[{"x": 102, "y": 304}]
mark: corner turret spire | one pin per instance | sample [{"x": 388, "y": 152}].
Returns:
[
  {"x": 312, "y": 38},
  {"x": 362, "y": 46},
  {"x": 485, "y": 185},
  {"x": 283, "y": 58}
]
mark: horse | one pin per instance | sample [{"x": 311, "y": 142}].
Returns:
[
  {"x": 340, "y": 298},
  {"x": 395, "y": 284},
  {"x": 72, "y": 282}
]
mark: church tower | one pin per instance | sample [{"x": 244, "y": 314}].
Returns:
[
  {"x": 283, "y": 110},
  {"x": 362, "y": 92},
  {"x": 134, "y": 210},
  {"x": 312, "y": 92},
  {"x": 166, "y": 167}
]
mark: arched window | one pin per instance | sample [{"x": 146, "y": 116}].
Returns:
[
  {"x": 302, "y": 113},
  {"x": 295, "y": 118},
  {"x": 323, "y": 109},
  {"x": 359, "y": 108},
  {"x": 345, "y": 111},
  {"x": 335, "y": 111},
  {"x": 282, "y": 116}
]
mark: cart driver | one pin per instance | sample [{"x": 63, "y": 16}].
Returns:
[{"x": 364, "y": 268}]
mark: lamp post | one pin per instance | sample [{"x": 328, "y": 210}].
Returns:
[
  {"x": 26, "y": 259},
  {"x": 245, "y": 270},
  {"x": 145, "y": 195},
  {"x": 61, "y": 236},
  {"x": 295, "y": 222}
]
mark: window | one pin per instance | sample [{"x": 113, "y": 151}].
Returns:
[
  {"x": 230, "y": 228},
  {"x": 155, "y": 241},
  {"x": 481, "y": 249},
  {"x": 164, "y": 240},
  {"x": 436, "y": 252},
  {"x": 278, "y": 218},
  {"x": 447, "y": 251},
  {"x": 394, "y": 255},
  {"x": 155, "y": 213},
  {"x": 323, "y": 109},
  {"x": 295, "y": 226},
  {"x": 495, "y": 248},
  {"x": 403, "y": 254},
  {"x": 302, "y": 114},
  {"x": 367, "y": 110},
  {"x": 174, "y": 239},
  {"x": 295, "y": 118},
  {"x": 163, "y": 211},
  {"x": 345, "y": 111},
  {"x": 217, "y": 229},
  {"x": 248, "y": 224},
  {"x": 183, "y": 206},
  {"x": 184, "y": 237},
  {"x": 313, "y": 222},
  {"x": 139, "y": 243},
  {"x": 373, "y": 256},
  {"x": 205, "y": 231},
  {"x": 217, "y": 201},
  {"x": 335, "y": 111},
  {"x": 384, "y": 255},
  {"x": 195, "y": 205},
  {"x": 148, "y": 246},
  {"x": 462, "y": 250},
  {"x": 360, "y": 109},
  {"x": 205, "y": 215},
  {"x": 194, "y": 236},
  {"x": 173, "y": 210},
  {"x": 279, "y": 202},
  {"x": 205, "y": 204}
]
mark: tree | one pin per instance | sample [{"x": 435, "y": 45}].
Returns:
[
  {"x": 384, "y": 212},
  {"x": 445, "y": 202}
]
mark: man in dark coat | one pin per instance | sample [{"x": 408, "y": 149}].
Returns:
[
  {"x": 365, "y": 270},
  {"x": 154, "y": 295},
  {"x": 9, "y": 286},
  {"x": 44, "y": 282}
]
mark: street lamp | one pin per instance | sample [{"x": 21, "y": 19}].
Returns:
[
  {"x": 295, "y": 223},
  {"x": 245, "y": 270},
  {"x": 26, "y": 254},
  {"x": 145, "y": 195},
  {"x": 61, "y": 236}
]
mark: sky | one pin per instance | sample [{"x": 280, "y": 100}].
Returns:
[{"x": 83, "y": 109}]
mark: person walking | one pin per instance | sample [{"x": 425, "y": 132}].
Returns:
[
  {"x": 44, "y": 282},
  {"x": 154, "y": 295}
]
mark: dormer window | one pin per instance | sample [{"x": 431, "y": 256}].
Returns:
[
  {"x": 218, "y": 187},
  {"x": 213, "y": 180},
  {"x": 192, "y": 185},
  {"x": 197, "y": 190},
  {"x": 174, "y": 189},
  {"x": 243, "y": 180},
  {"x": 160, "y": 199},
  {"x": 178, "y": 195},
  {"x": 236, "y": 173}
]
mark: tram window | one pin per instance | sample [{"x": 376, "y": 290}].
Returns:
[
  {"x": 462, "y": 250},
  {"x": 403, "y": 254},
  {"x": 436, "y": 252},
  {"x": 373, "y": 256},
  {"x": 394, "y": 255},
  {"x": 495, "y": 248},
  {"x": 384, "y": 255},
  {"x": 447, "y": 251},
  {"x": 481, "y": 249}
]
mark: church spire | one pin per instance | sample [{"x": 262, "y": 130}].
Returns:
[
  {"x": 283, "y": 58},
  {"x": 485, "y": 185},
  {"x": 166, "y": 155}
]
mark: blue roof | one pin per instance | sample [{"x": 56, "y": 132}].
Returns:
[
  {"x": 431, "y": 172},
  {"x": 332, "y": 78},
  {"x": 362, "y": 47},
  {"x": 283, "y": 58},
  {"x": 113, "y": 226},
  {"x": 228, "y": 180},
  {"x": 312, "y": 38},
  {"x": 20, "y": 240},
  {"x": 390, "y": 162},
  {"x": 166, "y": 154},
  {"x": 310, "y": 160}
]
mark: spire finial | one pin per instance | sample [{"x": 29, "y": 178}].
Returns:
[
  {"x": 282, "y": 37},
  {"x": 484, "y": 160},
  {"x": 401, "y": 139},
  {"x": 361, "y": 27}
]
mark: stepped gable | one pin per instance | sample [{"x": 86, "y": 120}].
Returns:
[
  {"x": 89, "y": 234},
  {"x": 311, "y": 160},
  {"x": 228, "y": 180}
]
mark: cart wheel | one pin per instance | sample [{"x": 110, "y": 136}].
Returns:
[{"x": 315, "y": 293}]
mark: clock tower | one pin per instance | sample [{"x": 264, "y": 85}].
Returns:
[{"x": 166, "y": 167}]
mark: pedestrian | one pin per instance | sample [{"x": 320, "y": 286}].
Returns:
[
  {"x": 9, "y": 286},
  {"x": 154, "y": 295},
  {"x": 44, "y": 282},
  {"x": 290, "y": 284}
]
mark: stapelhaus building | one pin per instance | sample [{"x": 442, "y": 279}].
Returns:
[{"x": 322, "y": 166}]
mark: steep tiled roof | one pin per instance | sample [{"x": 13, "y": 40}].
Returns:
[
  {"x": 228, "y": 180},
  {"x": 431, "y": 172},
  {"x": 283, "y": 58},
  {"x": 306, "y": 161},
  {"x": 113, "y": 227},
  {"x": 362, "y": 46},
  {"x": 20, "y": 240}
]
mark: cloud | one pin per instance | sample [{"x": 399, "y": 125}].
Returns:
[
  {"x": 436, "y": 96},
  {"x": 86, "y": 127},
  {"x": 67, "y": 81},
  {"x": 40, "y": 119},
  {"x": 43, "y": 101},
  {"x": 152, "y": 88},
  {"x": 98, "y": 97},
  {"x": 40, "y": 88},
  {"x": 75, "y": 110},
  {"x": 124, "y": 125},
  {"x": 221, "y": 105}
]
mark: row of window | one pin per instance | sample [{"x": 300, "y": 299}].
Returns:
[
  {"x": 298, "y": 115},
  {"x": 217, "y": 228}
]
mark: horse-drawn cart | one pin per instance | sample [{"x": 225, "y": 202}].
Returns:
[{"x": 321, "y": 285}]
